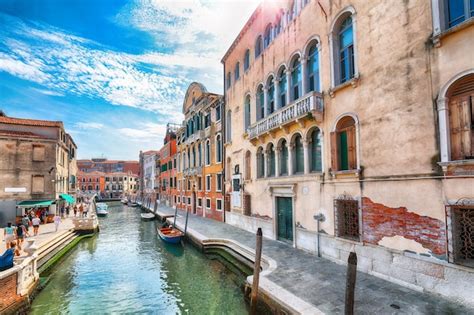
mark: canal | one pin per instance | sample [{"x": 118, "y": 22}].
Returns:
[{"x": 126, "y": 268}]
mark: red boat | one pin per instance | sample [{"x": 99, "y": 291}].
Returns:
[{"x": 170, "y": 235}]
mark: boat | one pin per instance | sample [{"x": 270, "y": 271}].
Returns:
[
  {"x": 133, "y": 204},
  {"x": 101, "y": 209},
  {"x": 124, "y": 201},
  {"x": 170, "y": 235},
  {"x": 147, "y": 216}
]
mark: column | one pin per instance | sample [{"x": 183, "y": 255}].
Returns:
[
  {"x": 288, "y": 87},
  {"x": 306, "y": 156},
  {"x": 290, "y": 159},
  {"x": 443, "y": 129},
  {"x": 265, "y": 167},
  {"x": 304, "y": 76},
  {"x": 265, "y": 102},
  {"x": 276, "y": 95},
  {"x": 277, "y": 161}
]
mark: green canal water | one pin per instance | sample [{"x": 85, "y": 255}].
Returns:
[{"x": 126, "y": 268}]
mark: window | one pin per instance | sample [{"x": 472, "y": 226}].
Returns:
[
  {"x": 38, "y": 153},
  {"x": 459, "y": 11},
  {"x": 179, "y": 199},
  {"x": 283, "y": 158},
  {"x": 38, "y": 184},
  {"x": 219, "y": 204},
  {"x": 194, "y": 156},
  {"x": 267, "y": 36},
  {"x": 228, "y": 83},
  {"x": 343, "y": 145},
  {"x": 347, "y": 218},
  {"x": 247, "y": 113},
  {"x": 248, "y": 165},
  {"x": 208, "y": 182},
  {"x": 199, "y": 203},
  {"x": 258, "y": 46},
  {"x": 346, "y": 51},
  {"x": 260, "y": 103},
  {"x": 218, "y": 112},
  {"x": 208, "y": 203},
  {"x": 278, "y": 26},
  {"x": 199, "y": 154},
  {"x": 298, "y": 165},
  {"x": 189, "y": 201},
  {"x": 461, "y": 118},
  {"x": 218, "y": 182},
  {"x": 207, "y": 120},
  {"x": 247, "y": 59},
  {"x": 237, "y": 71},
  {"x": 282, "y": 87},
  {"x": 315, "y": 151},
  {"x": 296, "y": 79},
  {"x": 208, "y": 152},
  {"x": 228, "y": 130},
  {"x": 218, "y": 149},
  {"x": 260, "y": 163},
  {"x": 199, "y": 181},
  {"x": 271, "y": 96},
  {"x": 271, "y": 160},
  {"x": 313, "y": 69}
]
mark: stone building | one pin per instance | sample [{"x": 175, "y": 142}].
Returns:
[
  {"x": 200, "y": 154},
  {"x": 108, "y": 166},
  {"x": 148, "y": 187},
  {"x": 359, "y": 112},
  {"x": 37, "y": 165},
  {"x": 167, "y": 167},
  {"x": 107, "y": 185}
]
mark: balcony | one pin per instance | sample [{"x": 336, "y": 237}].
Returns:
[
  {"x": 199, "y": 134},
  {"x": 311, "y": 103},
  {"x": 192, "y": 171}
]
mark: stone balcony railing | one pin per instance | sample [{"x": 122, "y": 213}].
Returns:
[
  {"x": 310, "y": 103},
  {"x": 193, "y": 171},
  {"x": 194, "y": 137}
]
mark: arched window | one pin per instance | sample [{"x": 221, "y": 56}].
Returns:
[
  {"x": 199, "y": 154},
  {"x": 218, "y": 149},
  {"x": 258, "y": 46},
  {"x": 228, "y": 130},
  {"x": 271, "y": 96},
  {"x": 461, "y": 118},
  {"x": 346, "y": 50},
  {"x": 237, "y": 71},
  {"x": 278, "y": 26},
  {"x": 260, "y": 103},
  {"x": 194, "y": 156},
  {"x": 283, "y": 158},
  {"x": 296, "y": 79},
  {"x": 267, "y": 39},
  {"x": 298, "y": 160},
  {"x": 208, "y": 152},
  {"x": 343, "y": 145},
  {"x": 260, "y": 163},
  {"x": 313, "y": 69},
  {"x": 228, "y": 82},
  {"x": 247, "y": 112},
  {"x": 315, "y": 151},
  {"x": 248, "y": 165},
  {"x": 271, "y": 160},
  {"x": 189, "y": 159},
  {"x": 247, "y": 59},
  {"x": 282, "y": 87}
]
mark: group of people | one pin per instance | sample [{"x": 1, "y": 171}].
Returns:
[{"x": 15, "y": 235}]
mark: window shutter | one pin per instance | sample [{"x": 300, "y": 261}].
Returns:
[
  {"x": 351, "y": 147},
  {"x": 334, "y": 155},
  {"x": 460, "y": 129}
]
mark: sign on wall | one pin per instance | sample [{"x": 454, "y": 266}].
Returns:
[{"x": 15, "y": 189}]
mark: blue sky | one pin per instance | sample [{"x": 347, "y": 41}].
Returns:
[{"x": 114, "y": 71}]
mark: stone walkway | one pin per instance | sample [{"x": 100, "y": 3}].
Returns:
[{"x": 321, "y": 282}]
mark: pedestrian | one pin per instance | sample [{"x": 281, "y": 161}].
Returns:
[
  {"x": 75, "y": 210},
  {"x": 68, "y": 208},
  {"x": 16, "y": 249},
  {"x": 57, "y": 220},
  {"x": 26, "y": 222},
  {"x": 36, "y": 223},
  {"x": 9, "y": 234},
  {"x": 21, "y": 232},
  {"x": 81, "y": 210},
  {"x": 85, "y": 211},
  {"x": 62, "y": 211}
]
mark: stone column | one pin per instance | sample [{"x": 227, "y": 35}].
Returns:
[
  {"x": 265, "y": 102},
  {"x": 277, "y": 161},
  {"x": 265, "y": 167},
  {"x": 306, "y": 156},
  {"x": 304, "y": 76},
  {"x": 290, "y": 159},
  {"x": 276, "y": 95},
  {"x": 288, "y": 86},
  {"x": 443, "y": 129}
]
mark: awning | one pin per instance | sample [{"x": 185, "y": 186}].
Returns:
[
  {"x": 35, "y": 203},
  {"x": 68, "y": 198}
]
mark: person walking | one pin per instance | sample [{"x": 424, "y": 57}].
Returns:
[
  {"x": 68, "y": 208},
  {"x": 85, "y": 210},
  {"x": 21, "y": 232},
  {"x": 36, "y": 223},
  {"x": 62, "y": 211},
  {"x": 81, "y": 210},
  {"x": 57, "y": 220},
  {"x": 9, "y": 234},
  {"x": 26, "y": 222},
  {"x": 75, "y": 210}
]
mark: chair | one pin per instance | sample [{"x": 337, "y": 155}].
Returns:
[{"x": 6, "y": 260}]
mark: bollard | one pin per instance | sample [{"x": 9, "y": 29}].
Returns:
[
  {"x": 350, "y": 283},
  {"x": 256, "y": 273}
]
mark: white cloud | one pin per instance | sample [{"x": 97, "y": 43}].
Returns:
[
  {"x": 89, "y": 125},
  {"x": 146, "y": 133},
  {"x": 48, "y": 92},
  {"x": 22, "y": 69}
]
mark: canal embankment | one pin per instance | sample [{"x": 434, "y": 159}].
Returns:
[
  {"x": 298, "y": 282},
  {"x": 19, "y": 284}
]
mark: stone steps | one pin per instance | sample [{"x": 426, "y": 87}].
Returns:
[{"x": 51, "y": 248}]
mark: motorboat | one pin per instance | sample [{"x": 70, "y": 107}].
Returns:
[
  {"x": 170, "y": 235},
  {"x": 132, "y": 204},
  {"x": 147, "y": 216},
  {"x": 101, "y": 209},
  {"x": 124, "y": 201}
]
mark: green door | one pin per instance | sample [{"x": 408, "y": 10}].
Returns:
[{"x": 285, "y": 218}]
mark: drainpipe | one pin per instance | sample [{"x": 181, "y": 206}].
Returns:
[
  {"x": 224, "y": 133},
  {"x": 319, "y": 218}
]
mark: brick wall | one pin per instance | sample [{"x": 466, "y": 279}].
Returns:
[
  {"x": 380, "y": 221},
  {"x": 8, "y": 292}
]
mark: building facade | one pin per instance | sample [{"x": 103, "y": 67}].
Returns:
[
  {"x": 108, "y": 166},
  {"x": 328, "y": 117},
  {"x": 167, "y": 168},
  {"x": 200, "y": 154},
  {"x": 37, "y": 165},
  {"x": 148, "y": 187},
  {"x": 108, "y": 185}
]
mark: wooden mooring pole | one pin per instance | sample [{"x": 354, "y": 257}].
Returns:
[
  {"x": 350, "y": 283},
  {"x": 175, "y": 215},
  {"x": 256, "y": 273}
]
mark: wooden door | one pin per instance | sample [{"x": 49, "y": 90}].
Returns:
[{"x": 284, "y": 218}]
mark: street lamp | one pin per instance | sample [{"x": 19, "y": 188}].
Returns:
[{"x": 319, "y": 218}]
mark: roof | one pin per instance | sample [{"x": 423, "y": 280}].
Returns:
[
  {"x": 30, "y": 122},
  {"x": 21, "y": 134}
]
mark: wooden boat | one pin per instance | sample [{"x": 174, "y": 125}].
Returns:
[
  {"x": 124, "y": 201},
  {"x": 170, "y": 235},
  {"x": 147, "y": 216},
  {"x": 133, "y": 204}
]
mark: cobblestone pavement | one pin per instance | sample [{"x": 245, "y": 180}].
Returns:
[{"x": 321, "y": 282}]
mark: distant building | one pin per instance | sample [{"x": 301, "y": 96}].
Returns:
[
  {"x": 108, "y": 166},
  {"x": 37, "y": 166},
  {"x": 147, "y": 175},
  {"x": 108, "y": 185},
  {"x": 167, "y": 167}
]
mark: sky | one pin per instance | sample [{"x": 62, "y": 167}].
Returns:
[{"x": 114, "y": 71}]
